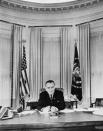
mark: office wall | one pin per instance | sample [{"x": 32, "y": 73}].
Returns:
[
  {"x": 5, "y": 64},
  {"x": 96, "y": 51}
]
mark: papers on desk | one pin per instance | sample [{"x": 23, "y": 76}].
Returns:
[
  {"x": 88, "y": 110},
  {"x": 92, "y": 109},
  {"x": 23, "y": 113},
  {"x": 75, "y": 110},
  {"x": 5, "y": 113},
  {"x": 98, "y": 112},
  {"x": 80, "y": 109},
  {"x": 67, "y": 110}
]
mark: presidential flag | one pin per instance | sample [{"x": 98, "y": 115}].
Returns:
[
  {"x": 76, "y": 88},
  {"x": 24, "y": 84}
]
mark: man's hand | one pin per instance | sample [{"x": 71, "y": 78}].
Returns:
[
  {"x": 49, "y": 109},
  {"x": 54, "y": 109},
  {"x": 45, "y": 109}
]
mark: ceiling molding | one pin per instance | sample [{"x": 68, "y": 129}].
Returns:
[{"x": 54, "y": 7}]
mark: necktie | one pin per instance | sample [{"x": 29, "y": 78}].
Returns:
[{"x": 51, "y": 97}]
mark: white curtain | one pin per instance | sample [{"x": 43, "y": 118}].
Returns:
[
  {"x": 5, "y": 67},
  {"x": 51, "y": 54},
  {"x": 67, "y": 56},
  {"x": 17, "y": 47},
  {"x": 84, "y": 31},
  {"x": 36, "y": 60},
  {"x": 35, "y": 63}
]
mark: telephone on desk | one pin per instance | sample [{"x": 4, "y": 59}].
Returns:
[{"x": 5, "y": 113}]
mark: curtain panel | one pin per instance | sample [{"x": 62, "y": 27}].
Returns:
[
  {"x": 35, "y": 76},
  {"x": 5, "y": 64},
  {"x": 84, "y": 46},
  {"x": 17, "y": 50},
  {"x": 67, "y": 57}
]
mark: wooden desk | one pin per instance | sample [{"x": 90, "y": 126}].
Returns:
[{"x": 75, "y": 121}]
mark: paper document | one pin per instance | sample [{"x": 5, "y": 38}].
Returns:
[
  {"x": 79, "y": 109},
  {"x": 67, "y": 110},
  {"x": 6, "y": 113},
  {"x": 26, "y": 112},
  {"x": 98, "y": 112}
]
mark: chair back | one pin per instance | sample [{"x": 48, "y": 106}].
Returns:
[
  {"x": 99, "y": 102},
  {"x": 60, "y": 89},
  {"x": 42, "y": 90}
]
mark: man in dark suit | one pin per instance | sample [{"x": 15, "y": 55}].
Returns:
[{"x": 51, "y": 99}]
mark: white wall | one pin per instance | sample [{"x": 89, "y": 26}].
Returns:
[
  {"x": 5, "y": 64},
  {"x": 96, "y": 49}
]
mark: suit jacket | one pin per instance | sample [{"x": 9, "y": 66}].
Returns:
[{"x": 57, "y": 100}]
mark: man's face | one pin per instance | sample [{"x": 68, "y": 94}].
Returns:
[{"x": 50, "y": 87}]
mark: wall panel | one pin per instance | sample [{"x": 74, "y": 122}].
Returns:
[
  {"x": 5, "y": 64},
  {"x": 96, "y": 51}
]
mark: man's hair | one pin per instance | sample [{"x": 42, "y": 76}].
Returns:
[{"x": 49, "y": 81}]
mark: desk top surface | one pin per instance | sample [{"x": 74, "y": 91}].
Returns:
[{"x": 39, "y": 120}]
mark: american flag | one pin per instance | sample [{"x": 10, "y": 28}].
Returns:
[
  {"x": 24, "y": 84},
  {"x": 76, "y": 88}
]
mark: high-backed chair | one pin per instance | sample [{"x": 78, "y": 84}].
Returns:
[{"x": 98, "y": 102}]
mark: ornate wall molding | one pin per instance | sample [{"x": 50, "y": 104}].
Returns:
[
  {"x": 5, "y": 31},
  {"x": 25, "y": 13},
  {"x": 57, "y": 7}
]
